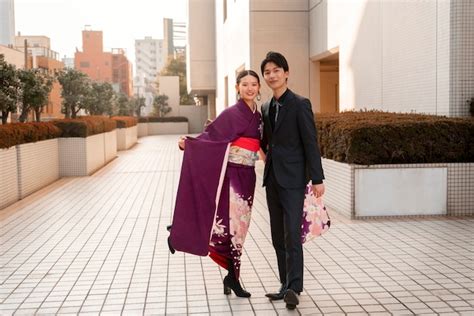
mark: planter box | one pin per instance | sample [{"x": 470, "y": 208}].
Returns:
[
  {"x": 110, "y": 146},
  {"x": 392, "y": 190},
  {"x": 8, "y": 177},
  {"x": 163, "y": 128},
  {"x": 126, "y": 137},
  {"x": 80, "y": 156},
  {"x": 38, "y": 165},
  {"x": 142, "y": 129}
]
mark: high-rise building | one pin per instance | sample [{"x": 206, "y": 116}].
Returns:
[
  {"x": 150, "y": 57},
  {"x": 68, "y": 62},
  {"x": 7, "y": 22},
  {"x": 168, "y": 36},
  {"x": 174, "y": 37},
  {"x": 112, "y": 67}
]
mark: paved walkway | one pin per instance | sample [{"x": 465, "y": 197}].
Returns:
[{"x": 98, "y": 245}]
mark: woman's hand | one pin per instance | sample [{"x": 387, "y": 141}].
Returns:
[
  {"x": 262, "y": 155},
  {"x": 181, "y": 142}
]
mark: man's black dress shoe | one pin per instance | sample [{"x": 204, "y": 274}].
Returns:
[
  {"x": 291, "y": 299},
  {"x": 277, "y": 296}
]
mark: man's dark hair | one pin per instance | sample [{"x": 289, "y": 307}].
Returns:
[{"x": 276, "y": 58}]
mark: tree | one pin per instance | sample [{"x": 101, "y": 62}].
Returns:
[
  {"x": 177, "y": 67},
  {"x": 137, "y": 104},
  {"x": 10, "y": 91},
  {"x": 100, "y": 99},
  {"x": 124, "y": 105},
  {"x": 36, "y": 86},
  {"x": 160, "y": 105},
  {"x": 75, "y": 90}
]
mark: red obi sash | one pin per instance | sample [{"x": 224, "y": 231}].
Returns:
[{"x": 248, "y": 143}]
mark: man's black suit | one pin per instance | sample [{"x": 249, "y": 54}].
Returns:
[{"x": 293, "y": 158}]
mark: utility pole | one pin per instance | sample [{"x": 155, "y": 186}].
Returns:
[{"x": 26, "y": 53}]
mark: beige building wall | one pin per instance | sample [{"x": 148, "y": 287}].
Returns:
[
  {"x": 33, "y": 41},
  {"x": 201, "y": 52},
  {"x": 281, "y": 26},
  {"x": 393, "y": 55},
  {"x": 13, "y": 56},
  {"x": 247, "y": 30},
  {"x": 169, "y": 85}
]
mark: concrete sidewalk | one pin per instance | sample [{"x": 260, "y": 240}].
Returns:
[{"x": 97, "y": 245}]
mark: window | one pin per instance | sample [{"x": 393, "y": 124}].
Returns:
[{"x": 84, "y": 64}]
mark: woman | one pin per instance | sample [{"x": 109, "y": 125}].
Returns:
[{"x": 217, "y": 184}]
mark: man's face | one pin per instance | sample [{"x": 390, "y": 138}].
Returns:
[{"x": 274, "y": 76}]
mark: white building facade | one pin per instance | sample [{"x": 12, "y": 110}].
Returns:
[
  {"x": 7, "y": 22},
  {"x": 150, "y": 57},
  {"x": 397, "y": 56}
]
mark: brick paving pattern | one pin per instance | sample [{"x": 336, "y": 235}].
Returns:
[{"x": 97, "y": 245}]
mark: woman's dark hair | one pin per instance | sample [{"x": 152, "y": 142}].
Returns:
[
  {"x": 276, "y": 58},
  {"x": 244, "y": 73}
]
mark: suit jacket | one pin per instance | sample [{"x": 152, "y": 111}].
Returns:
[{"x": 292, "y": 147}]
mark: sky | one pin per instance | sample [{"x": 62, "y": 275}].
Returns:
[{"x": 121, "y": 21}]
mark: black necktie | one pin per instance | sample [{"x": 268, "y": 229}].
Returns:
[
  {"x": 273, "y": 113},
  {"x": 277, "y": 109}
]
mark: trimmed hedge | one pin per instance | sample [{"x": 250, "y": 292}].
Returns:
[
  {"x": 85, "y": 126},
  {"x": 373, "y": 137},
  {"x": 20, "y": 133},
  {"x": 125, "y": 121},
  {"x": 154, "y": 119}
]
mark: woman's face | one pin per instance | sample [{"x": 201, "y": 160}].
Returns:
[{"x": 248, "y": 87}]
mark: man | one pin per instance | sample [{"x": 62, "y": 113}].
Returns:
[{"x": 293, "y": 158}]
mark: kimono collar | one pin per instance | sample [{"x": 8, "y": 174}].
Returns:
[{"x": 242, "y": 103}]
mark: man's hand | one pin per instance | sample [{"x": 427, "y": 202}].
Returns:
[
  {"x": 318, "y": 190},
  {"x": 181, "y": 142}
]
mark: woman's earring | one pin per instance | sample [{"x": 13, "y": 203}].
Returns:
[
  {"x": 259, "y": 96},
  {"x": 238, "y": 95}
]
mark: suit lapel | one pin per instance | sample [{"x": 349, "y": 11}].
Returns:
[{"x": 266, "y": 114}]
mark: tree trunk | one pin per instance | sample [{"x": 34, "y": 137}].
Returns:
[
  {"x": 5, "y": 116},
  {"x": 24, "y": 115},
  {"x": 74, "y": 112},
  {"x": 38, "y": 114},
  {"x": 67, "y": 111}
]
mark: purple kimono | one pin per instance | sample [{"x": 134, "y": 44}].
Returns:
[{"x": 216, "y": 187}]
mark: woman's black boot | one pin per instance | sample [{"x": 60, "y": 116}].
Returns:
[
  {"x": 170, "y": 247},
  {"x": 231, "y": 283}
]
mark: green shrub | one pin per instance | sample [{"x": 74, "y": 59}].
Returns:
[
  {"x": 154, "y": 119},
  {"x": 388, "y": 138},
  {"x": 19, "y": 133},
  {"x": 85, "y": 126},
  {"x": 125, "y": 121}
]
